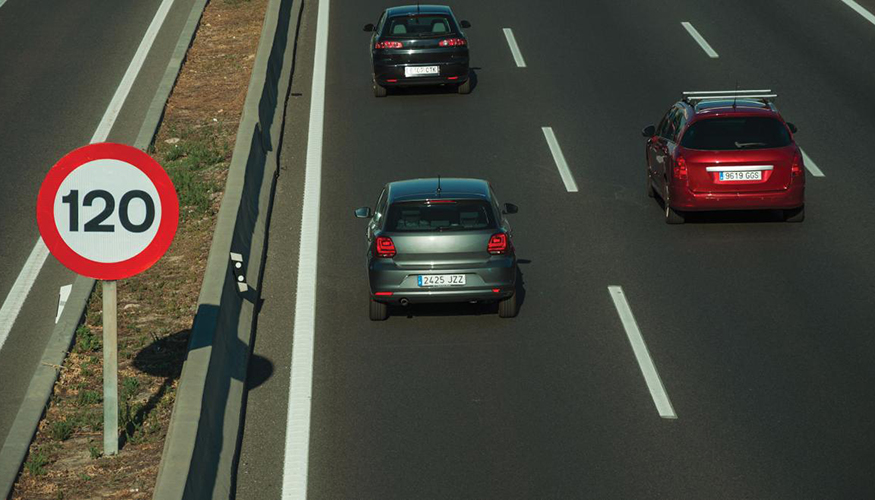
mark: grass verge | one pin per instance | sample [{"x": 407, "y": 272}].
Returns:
[{"x": 156, "y": 308}]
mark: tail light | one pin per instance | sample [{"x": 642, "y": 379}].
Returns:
[
  {"x": 453, "y": 42},
  {"x": 388, "y": 45},
  {"x": 680, "y": 169},
  {"x": 385, "y": 247},
  {"x": 796, "y": 167},
  {"x": 498, "y": 244}
]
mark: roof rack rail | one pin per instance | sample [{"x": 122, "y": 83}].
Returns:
[
  {"x": 723, "y": 92},
  {"x": 764, "y": 95}
]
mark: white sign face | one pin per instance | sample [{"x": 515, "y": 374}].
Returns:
[{"x": 107, "y": 210}]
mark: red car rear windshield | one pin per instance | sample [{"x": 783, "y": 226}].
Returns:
[
  {"x": 734, "y": 133},
  {"x": 440, "y": 215},
  {"x": 419, "y": 26}
]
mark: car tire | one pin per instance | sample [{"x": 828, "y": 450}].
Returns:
[
  {"x": 380, "y": 91},
  {"x": 650, "y": 192},
  {"x": 465, "y": 88},
  {"x": 672, "y": 216},
  {"x": 507, "y": 308},
  {"x": 795, "y": 214},
  {"x": 378, "y": 311}
]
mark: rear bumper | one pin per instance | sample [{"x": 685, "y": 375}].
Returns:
[
  {"x": 482, "y": 282},
  {"x": 392, "y": 75},
  {"x": 685, "y": 200}
]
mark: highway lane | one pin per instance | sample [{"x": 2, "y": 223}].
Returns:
[
  {"x": 758, "y": 328},
  {"x": 60, "y": 64}
]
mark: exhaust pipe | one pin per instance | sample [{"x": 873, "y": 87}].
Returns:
[{"x": 404, "y": 302}]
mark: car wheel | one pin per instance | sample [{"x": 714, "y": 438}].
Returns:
[
  {"x": 378, "y": 311},
  {"x": 465, "y": 88},
  {"x": 650, "y": 192},
  {"x": 380, "y": 91},
  {"x": 507, "y": 308},
  {"x": 795, "y": 214}
]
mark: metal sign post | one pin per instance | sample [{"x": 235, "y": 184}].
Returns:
[
  {"x": 110, "y": 369},
  {"x": 108, "y": 211}
]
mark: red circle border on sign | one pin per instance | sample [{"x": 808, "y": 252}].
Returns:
[{"x": 45, "y": 211}]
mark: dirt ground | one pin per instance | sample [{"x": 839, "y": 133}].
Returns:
[{"x": 156, "y": 308}]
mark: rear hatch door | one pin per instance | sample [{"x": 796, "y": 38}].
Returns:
[{"x": 739, "y": 171}]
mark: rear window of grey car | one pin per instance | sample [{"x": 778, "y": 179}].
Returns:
[
  {"x": 421, "y": 216},
  {"x": 419, "y": 26},
  {"x": 720, "y": 134}
]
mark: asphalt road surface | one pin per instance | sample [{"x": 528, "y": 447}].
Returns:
[
  {"x": 761, "y": 331},
  {"x": 60, "y": 65}
]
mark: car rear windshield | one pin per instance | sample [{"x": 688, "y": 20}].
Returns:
[
  {"x": 433, "y": 216},
  {"x": 419, "y": 26},
  {"x": 756, "y": 132}
]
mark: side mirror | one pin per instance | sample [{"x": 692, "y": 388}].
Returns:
[
  {"x": 792, "y": 127},
  {"x": 369, "y": 27},
  {"x": 465, "y": 24},
  {"x": 363, "y": 213},
  {"x": 510, "y": 208},
  {"x": 648, "y": 131}
]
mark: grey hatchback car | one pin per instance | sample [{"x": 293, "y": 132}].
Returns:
[{"x": 440, "y": 240}]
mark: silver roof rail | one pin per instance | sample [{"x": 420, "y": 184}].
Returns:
[
  {"x": 724, "y": 92},
  {"x": 764, "y": 95}
]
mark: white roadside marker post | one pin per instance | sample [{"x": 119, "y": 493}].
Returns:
[{"x": 110, "y": 369}]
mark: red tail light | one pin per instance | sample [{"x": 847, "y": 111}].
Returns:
[
  {"x": 453, "y": 42},
  {"x": 796, "y": 167},
  {"x": 388, "y": 45},
  {"x": 680, "y": 169},
  {"x": 385, "y": 247},
  {"x": 498, "y": 244}
]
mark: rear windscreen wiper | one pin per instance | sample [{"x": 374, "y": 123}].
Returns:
[{"x": 742, "y": 145}]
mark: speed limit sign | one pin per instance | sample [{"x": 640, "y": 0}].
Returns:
[{"x": 107, "y": 211}]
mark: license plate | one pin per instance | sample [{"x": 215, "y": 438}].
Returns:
[
  {"x": 421, "y": 71},
  {"x": 755, "y": 175},
  {"x": 441, "y": 280}
]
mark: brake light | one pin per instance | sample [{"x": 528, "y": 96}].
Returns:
[
  {"x": 439, "y": 201},
  {"x": 388, "y": 45},
  {"x": 498, "y": 244},
  {"x": 453, "y": 42},
  {"x": 796, "y": 167},
  {"x": 680, "y": 169},
  {"x": 385, "y": 247}
]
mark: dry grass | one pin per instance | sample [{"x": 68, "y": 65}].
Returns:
[{"x": 156, "y": 308}]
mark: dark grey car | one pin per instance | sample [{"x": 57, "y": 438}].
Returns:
[{"x": 440, "y": 240}]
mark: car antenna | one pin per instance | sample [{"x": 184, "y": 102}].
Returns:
[
  {"x": 735, "y": 97},
  {"x": 417, "y": 8},
  {"x": 439, "y": 187}
]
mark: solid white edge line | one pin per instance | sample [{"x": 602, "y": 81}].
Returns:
[
  {"x": 124, "y": 88},
  {"x": 297, "y": 446},
  {"x": 514, "y": 48},
  {"x": 700, "y": 40},
  {"x": 2, "y": 2},
  {"x": 63, "y": 295},
  {"x": 648, "y": 369},
  {"x": 850, "y": 3},
  {"x": 21, "y": 288},
  {"x": 27, "y": 276},
  {"x": 559, "y": 158},
  {"x": 810, "y": 165}
]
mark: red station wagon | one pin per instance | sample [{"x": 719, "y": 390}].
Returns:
[{"x": 725, "y": 150}]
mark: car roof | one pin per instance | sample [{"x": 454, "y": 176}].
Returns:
[
  {"x": 425, "y": 189},
  {"x": 409, "y": 10}
]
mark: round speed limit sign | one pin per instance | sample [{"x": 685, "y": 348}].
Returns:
[{"x": 107, "y": 211}]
